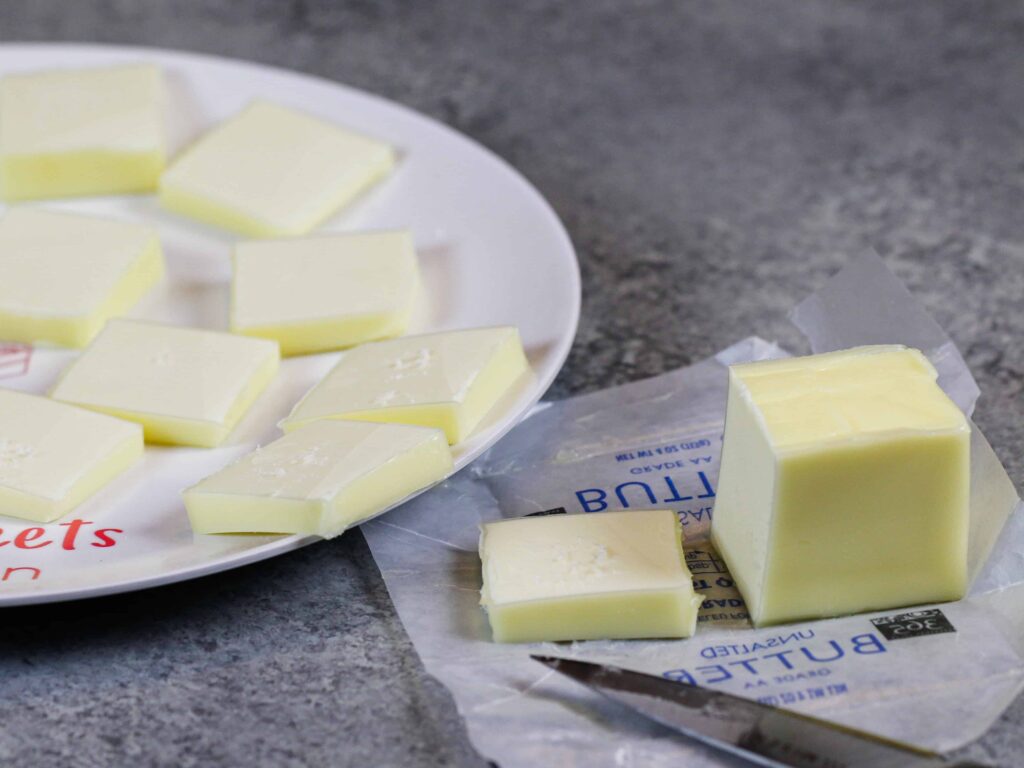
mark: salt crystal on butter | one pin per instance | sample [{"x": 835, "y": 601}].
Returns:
[
  {"x": 271, "y": 171},
  {"x": 315, "y": 294},
  {"x": 81, "y": 132},
  {"x": 320, "y": 479},
  {"x": 448, "y": 380},
  {"x": 844, "y": 485},
  {"x": 587, "y": 577},
  {"x": 53, "y": 456},
  {"x": 62, "y": 276},
  {"x": 185, "y": 386}
]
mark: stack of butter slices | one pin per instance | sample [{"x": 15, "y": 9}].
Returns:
[{"x": 377, "y": 429}]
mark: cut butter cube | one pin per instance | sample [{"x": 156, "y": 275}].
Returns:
[
  {"x": 62, "y": 276},
  {"x": 183, "y": 385},
  {"x": 844, "y": 485},
  {"x": 603, "y": 575},
  {"x": 54, "y": 456},
  {"x": 66, "y": 133},
  {"x": 320, "y": 479},
  {"x": 270, "y": 171},
  {"x": 446, "y": 380},
  {"x": 322, "y": 293}
]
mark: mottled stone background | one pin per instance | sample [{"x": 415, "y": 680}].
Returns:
[{"x": 712, "y": 161}]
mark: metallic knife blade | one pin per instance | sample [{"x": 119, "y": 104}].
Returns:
[{"x": 762, "y": 734}]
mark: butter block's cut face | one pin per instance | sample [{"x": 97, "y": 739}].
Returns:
[
  {"x": 317, "y": 294},
  {"x": 62, "y": 276},
  {"x": 183, "y": 385},
  {"x": 54, "y": 456},
  {"x": 67, "y": 133},
  {"x": 614, "y": 575},
  {"x": 446, "y": 380},
  {"x": 272, "y": 171},
  {"x": 320, "y": 479},
  {"x": 844, "y": 485}
]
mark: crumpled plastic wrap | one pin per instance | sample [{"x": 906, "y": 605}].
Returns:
[{"x": 913, "y": 674}]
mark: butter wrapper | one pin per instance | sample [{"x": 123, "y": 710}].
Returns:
[{"x": 911, "y": 674}]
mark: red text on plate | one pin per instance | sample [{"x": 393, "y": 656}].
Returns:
[
  {"x": 14, "y": 359},
  {"x": 70, "y": 538}
]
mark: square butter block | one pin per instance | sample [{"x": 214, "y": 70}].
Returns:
[
  {"x": 322, "y": 293},
  {"x": 320, "y": 479},
  {"x": 446, "y": 380},
  {"x": 185, "y": 386},
  {"x": 601, "y": 575},
  {"x": 62, "y": 276},
  {"x": 272, "y": 171},
  {"x": 67, "y": 133},
  {"x": 54, "y": 456},
  {"x": 844, "y": 485}
]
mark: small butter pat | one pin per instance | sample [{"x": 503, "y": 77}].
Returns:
[
  {"x": 320, "y": 479},
  {"x": 64, "y": 275},
  {"x": 446, "y": 380},
  {"x": 615, "y": 575},
  {"x": 54, "y": 456},
  {"x": 272, "y": 171},
  {"x": 81, "y": 132},
  {"x": 323, "y": 293},
  {"x": 183, "y": 385},
  {"x": 844, "y": 485}
]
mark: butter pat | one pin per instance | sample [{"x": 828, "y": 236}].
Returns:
[
  {"x": 54, "y": 456},
  {"x": 320, "y": 479},
  {"x": 81, "y": 132},
  {"x": 844, "y": 485},
  {"x": 62, "y": 276},
  {"x": 323, "y": 293},
  {"x": 613, "y": 575},
  {"x": 445, "y": 380},
  {"x": 183, "y": 385},
  {"x": 272, "y": 171}
]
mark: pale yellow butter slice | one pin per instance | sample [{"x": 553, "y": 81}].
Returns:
[
  {"x": 53, "y": 456},
  {"x": 185, "y": 386},
  {"x": 320, "y": 479},
  {"x": 322, "y": 293},
  {"x": 593, "y": 576},
  {"x": 271, "y": 171},
  {"x": 81, "y": 132},
  {"x": 62, "y": 276},
  {"x": 844, "y": 485},
  {"x": 448, "y": 380}
]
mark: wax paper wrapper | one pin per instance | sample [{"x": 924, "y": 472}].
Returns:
[{"x": 914, "y": 674}]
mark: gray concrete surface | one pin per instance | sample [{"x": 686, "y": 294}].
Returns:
[{"x": 712, "y": 161}]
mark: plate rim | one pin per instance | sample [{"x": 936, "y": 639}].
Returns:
[{"x": 290, "y": 543}]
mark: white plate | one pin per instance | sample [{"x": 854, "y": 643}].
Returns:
[{"x": 492, "y": 252}]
